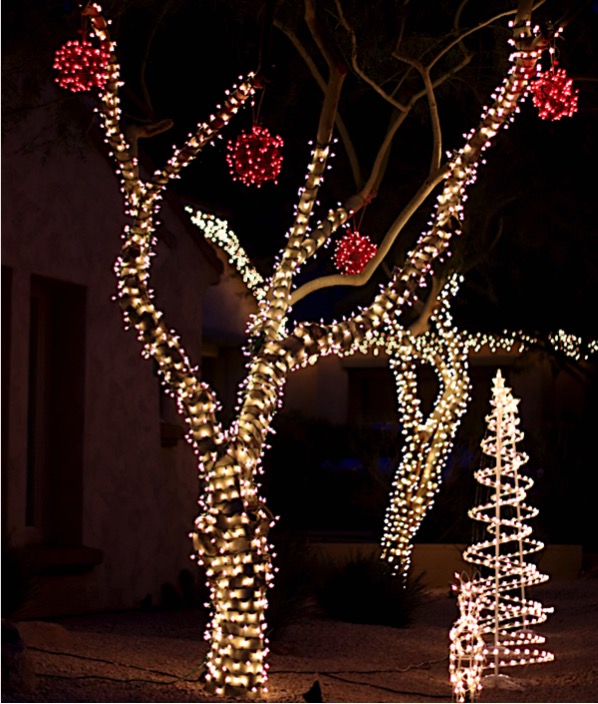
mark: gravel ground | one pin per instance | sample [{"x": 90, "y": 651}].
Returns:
[{"x": 155, "y": 656}]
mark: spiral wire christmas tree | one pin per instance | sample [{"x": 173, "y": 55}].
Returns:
[{"x": 507, "y": 615}]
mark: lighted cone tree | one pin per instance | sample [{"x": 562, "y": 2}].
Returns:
[
  {"x": 231, "y": 533},
  {"x": 507, "y": 615}
]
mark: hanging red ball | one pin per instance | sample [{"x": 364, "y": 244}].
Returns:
[
  {"x": 554, "y": 95},
  {"x": 255, "y": 157},
  {"x": 353, "y": 252},
  {"x": 81, "y": 65}
]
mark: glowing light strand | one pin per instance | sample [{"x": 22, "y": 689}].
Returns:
[{"x": 217, "y": 231}]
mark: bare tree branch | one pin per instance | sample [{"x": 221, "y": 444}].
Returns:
[
  {"x": 340, "y": 123},
  {"x": 357, "y": 68}
]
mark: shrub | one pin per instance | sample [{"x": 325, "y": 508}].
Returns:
[
  {"x": 363, "y": 590},
  {"x": 293, "y": 595}
]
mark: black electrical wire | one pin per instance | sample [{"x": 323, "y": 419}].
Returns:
[
  {"x": 104, "y": 661},
  {"x": 426, "y": 695},
  {"x": 332, "y": 674}
]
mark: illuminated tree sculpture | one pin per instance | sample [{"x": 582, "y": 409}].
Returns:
[
  {"x": 231, "y": 532},
  {"x": 507, "y": 615}
]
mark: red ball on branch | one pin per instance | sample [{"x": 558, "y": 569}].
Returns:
[
  {"x": 255, "y": 157},
  {"x": 81, "y": 65},
  {"x": 554, "y": 95},
  {"x": 353, "y": 252}
]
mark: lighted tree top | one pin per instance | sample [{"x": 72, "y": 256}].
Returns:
[{"x": 231, "y": 533}]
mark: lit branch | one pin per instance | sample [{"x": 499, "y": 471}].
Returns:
[
  {"x": 110, "y": 113},
  {"x": 273, "y": 312},
  {"x": 196, "y": 401},
  {"x": 218, "y": 233},
  {"x": 204, "y": 133}
]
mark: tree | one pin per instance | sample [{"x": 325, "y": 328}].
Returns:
[
  {"x": 506, "y": 614},
  {"x": 428, "y": 440},
  {"x": 231, "y": 533}
]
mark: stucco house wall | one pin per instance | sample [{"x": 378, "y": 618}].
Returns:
[{"x": 62, "y": 215}]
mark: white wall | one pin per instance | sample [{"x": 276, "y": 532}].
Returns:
[{"x": 62, "y": 217}]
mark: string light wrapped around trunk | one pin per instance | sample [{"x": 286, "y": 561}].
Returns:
[
  {"x": 82, "y": 65},
  {"x": 353, "y": 251},
  {"x": 554, "y": 95},
  {"x": 255, "y": 157}
]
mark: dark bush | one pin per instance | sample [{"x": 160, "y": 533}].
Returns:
[
  {"x": 363, "y": 590},
  {"x": 293, "y": 594}
]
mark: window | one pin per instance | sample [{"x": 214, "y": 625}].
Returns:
[
  {"x": 56, "y": 411},
  {"x": 6, "y": 368}
]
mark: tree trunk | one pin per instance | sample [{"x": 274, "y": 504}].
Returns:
[{"x": 231, "y": 540}]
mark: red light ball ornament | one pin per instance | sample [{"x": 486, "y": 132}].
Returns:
[
  {"x": 82, "y": 66},
  {"x": 554, "y": 95},
  {"x": 255, "y": 157},
  {"x": 353, "y": 252}
]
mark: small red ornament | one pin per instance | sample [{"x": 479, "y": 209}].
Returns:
[
  {"x": 353, "y": 252},
  {"x": 82, "y": 65},
  {"x": 255, "y": 156},
  {"x": 554, "y": 95}
]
